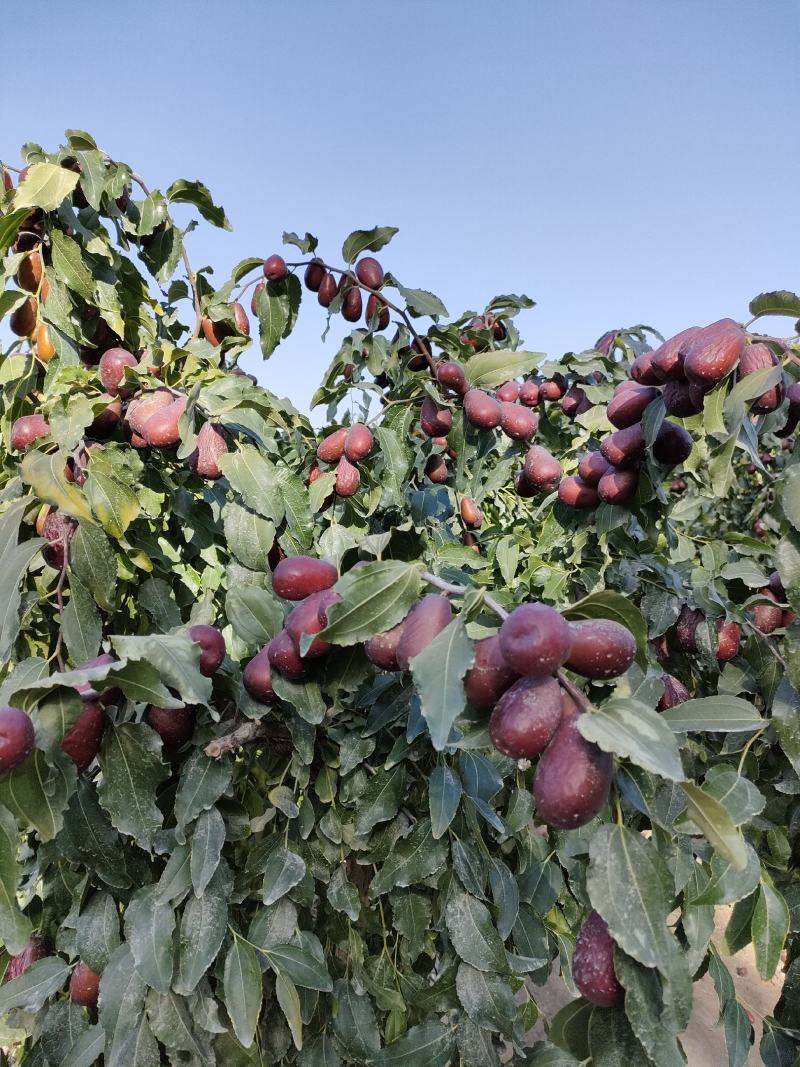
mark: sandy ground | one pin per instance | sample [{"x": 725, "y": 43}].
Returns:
[{"x": 703, "y": 1042}]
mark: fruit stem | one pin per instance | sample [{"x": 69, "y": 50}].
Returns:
[
  {"x": 577, "y": 695},
  {"x": 460, "y": 590}
]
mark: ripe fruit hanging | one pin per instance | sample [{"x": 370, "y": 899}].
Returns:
[
  {"x": 284, "y": 657},
  {"x": 681, "y": 399},
  {"x": 529, "y": 394},
  {"x": 315, "y": 272},
  {"x": 112, "y": 370},
  {"x": 328, "y": 288},
  {"x": 84, "y": 986},
  {"x": 675, "y": 692},
  {"x": 541, "y": 470},
  {"x": 642, "y": 370},
  {"x": 535, "y": 640},
  {"x": 45, "y": 349},
  {"x": 508, "y": 392},
  {"x": 140, "y": 409},
  {"x": 358, "y": 442},
  {"x": 275, "y": 269},
  {"x": 593, "y": 964},
  {"x": 58, "y": 529},
  {"x": 212, "y": 647},
  {"x": 526, "y": 717},
  {"x": 174, "y": 726},
  {"x": 618, "y": 486},
  {"x": 451, "y": 374},
  {"x": 628, "y": 405},
  {"x": 352, "y": 304},
  {"x": 673, "y": 444},
  {"x": 711, "y": 354},
  {"x": 348, "y": 479},
  {"x": 481, "y": 409},
  {"x": 575, "y": 402},
  {"x": 436, "y": 469},
  {"x": 257, "y": 677},
  {"x": 575, "y": 493},
  {"x": 16, "y": 738},
  {"x": 310, "y": 617},
  {"x": 382, "y": 648},
  {"x": 573, "y": 778},
  {"x": 435, "y": 421},
  {"x": 624, "y": 447},
  {"x": 30, "y": 272},
  {"x": 425, "y": 621},
  {"x": 667, "y": 361},
  {"x": 211, "y": 444},
  {"x": 23, "y": 319},
  {"x": 37, "y": 949},
  {"x": 471, "y": 514},
  {"x": 592, "y": 467},
  {"x": 601, "y": 648},
  {"x": 755, "y": 357},
  {"x": 490, "y": 674},
  {"x": 729, "y": 634},
  {"x": 27, "y": 429},
  {"x": 83, "y": 739},
  {"x": 518, "y": 422},
  {"x": 331, "y": 448},
  {"x": 369, "y": 272},
  {"x": 162, "y": 428},
  {"x": 297, "y": 577},
  {"x": 377, "y": 306}
]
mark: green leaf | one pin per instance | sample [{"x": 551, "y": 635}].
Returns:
[
  {"x": 713, "y": 819},
  {"x": 114, "y": 504},
  {"x": 486, "y": 998},
  {"x": 505, "y": 894},
  {"x": 46, "y": 186},
  {"x": 421, "y": 302},
  {"x": 255, "y": 614},
  {"x": 720, "y": 714},
  {"x": 438, "y": 672},
  {"x": 35, "y": 986},
  {"x": 626, "y": 727},
  {"x": 742, "y": 799},
  {"x": 551, "y": 1056},
  {"x": 726, "y": 883},
  {"x": 87, "y": 1049},
  {"x": 15, "y": 928},
  {"x": 489, "y": 369},
  {"x": 361, "y": 241},
  {"x": 149, "y": 926},
  {"x": 130, "y": 758},
  {"x": 301, "y": 966},
  {"x": 122, "y": 993},
  {"x": 473, "y": 933},
  {"x": 429, "y": 1043},
  {"x": 444, "y": 795},
  {"x": 256, "y": 480},
  {"x": 45, "y": 475},
  {"x": 203, "y": 926},
  {"x": 81, "y": 624},
  {"x": 69, "y": 265},
  {"x": 175, "y": 656},
  {"x": 613, "y": 1042},
  {"x": 10, "y": 226},
  {"x": 320, "y": 1053},
  {"x": 607, "y": 604},
  {"x": 207, "y": 841},
  {"x": 199, "y": 196},
  {"x": 343, "y": 895},
  {"x": 88, "y": 837},
  {"x": 781, "y": 302},
  {"x": 790, "y": 495},
  {"x": 248, "y": 536},
  {"x": 97, "y": 931},
  {"x": 92, "y": 561},
  {"x": 769, "y": 928},
  {"x": 374, "y": 599},
  {"x": 38, "y": 794},
  {"x": 380, "y": 800},
  {"x": 354, "y": 1023},
  {"x": 284, "y": 870},
  {"x": 243, "y": 989},
  {"x": 412, "y": 860},
  {"x": 63, "y": 1025},
  {"x": 272, "y": 318},
  {"x": 644, "y": 1006},
  {"x": 289, "y": 1002},
  {"x": 411, "y": 913}
]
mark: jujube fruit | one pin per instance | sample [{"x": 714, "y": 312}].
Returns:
[
  {"x": 23, "y": 319},
  {"x": 140, "y": 409},
  {"x": 45, "y": 349},
  {"x": 352, "y": 304},
  {"x": 526, "y": 717},
  {"x": 348, "y": 479},
  {"x": 628, "y": 405},
  {"x": 30, "y": 271},
  {"x": 518, "y": 422},
  {"x": 601, "y": 648},
  {"x": 37, "y": 949},
  {"x": 284, "y": 657},
  {"x": 673, "y": 444},
  {"x": 112, "y": 370},
  {"x": 107, "y": 419},
  {"x": 551, "y": 390},
  {"x": 775, "y": 584},
  {"x": 435, "y": 421},
  {"x": 593, "y": 964},
  {"x": 257, "y": 677},
  {"x": 767, "y": 617},
  {"x": 297, "y": 577},
  {"x": 331, "y": 448},
  {"x": 481, "y": 409},
  {"x": 84, "y": 985},
  {"x": 624, "y": 447},
  {"x": 667, "y": 360},
  {"x": 451, "y": 374},
  {"x": 113, "y": 695},
  {"x": 686, "y": 628},
  {"x": 275, "y": 269},
  {"x": 310, "y": 617},
  {"x": 642, "y": 370},
  {"x": 174, "y": 726},
  {"x": 376, "y": 306},
  {"x": 369, "y": 272},
  {"x": 618, "y": 486},
  {"x": 541, "y": 469},
  {"x": 575, "y": 402},
  {"x": 424, "y": 622},
  {"x": 529, "y": 394},
  {"x": 328, "y": 289},
  {"x": 490, "y": 674},
  {"x": 470, "y": 512},
  {"x": 358, "y": 442},
  {"x": 58, "y": 529},
  {"x": 675, "y": 692},
  {"x": 212, "y": 647},
  {"x": 729, "y": 634},
  {"x": 592, "y": 467},
  {"x": 711, "y": 354},
  {"x": 16, "y": 738},
  {"x": 211, "y": 444},
  {"x": 508, "y": 392},
  {"x": 315, "y": 272},
  {"x": 755, "y": 357},
  {"x": 535, "y": 639},
  {"x": 681, "y": 400},
  {"x": 83, "y": 739},
  {"x": 382, "y": 648},
  {"x": 436, "y": 469},
  {"x": 27, "y": 429},
  {"x": 575, "y": 493},
  {"x": 161, "y": 429},
  {"x": 573, "y": 778}
]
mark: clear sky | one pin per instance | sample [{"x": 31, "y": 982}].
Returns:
[{"x": 620, "y": 161}]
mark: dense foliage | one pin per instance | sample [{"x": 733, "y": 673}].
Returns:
[{"x": 274, "y": 847}]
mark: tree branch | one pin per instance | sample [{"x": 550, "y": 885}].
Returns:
[{"x": 460, "y": 590}]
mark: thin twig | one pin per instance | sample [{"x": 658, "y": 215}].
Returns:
[
  {"x": 60, "y": 600},
  {"x": 460, "y": 590},
  {"x": 577, "y": 695},
  {"x": 242, "y": 735}
]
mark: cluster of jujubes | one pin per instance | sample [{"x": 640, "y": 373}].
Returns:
[{"x": 342, "y": 449}]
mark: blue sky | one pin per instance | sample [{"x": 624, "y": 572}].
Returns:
[{"x": 620, "y": 161}]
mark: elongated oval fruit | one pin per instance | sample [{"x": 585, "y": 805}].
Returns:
[
  {"x": 382, "y": 648},
  {"x": 211, "y": 444},
  {"x": 352, "y": 304},
  {"x": 45, "y": 349},
  {"x": 541, "y": 469},
  {"x": 624, "y": 447},
  {"x": 451, "y": 374},
  {"x": 212, "y": 647},
  {"x": 174, "y": 726},
  {"x": 618, "y": 486},
  {"x": 16, "y": 738},
  {"x": 681, "y": 400},
  {"x": 755, "y": 357},
  {"x": 161, "y": 429},
  {"x": 601, "y": 648},
  {"x": 331, "y": 448},
  {"x": 84, "y": 985},
  {"x": 673, "y": 444},
  {"x": 315, "y": 272},
  {"x": 552, "y": 389},
  {"x": 712, "y": 353},
  {"x": 112, "y": 370},
  {"x": 297, "y": 577},
  {"x": 518, "y": 422},
  {"x": 140, "y": 409},
  {"x": 257, "y": 678},
  {"x": 435, "y": 421},
  {"x": 358, "y": 442},
  {"x": 572, "y": 779},
  {"x": 535, "y": 639},
  {"x": 490, "y": 674},
  {"x": 526, "y": 717},
  {"x": 30, "y": 271},
  {"x": 793, "y": 414},
  {"x": 376, "y": 306},
  {"x": 369, "y": 272},
  {"x": 58, "y": 528},
  {"x": 328, "y": 288},
  {"x": 775, "y": 585},
  {"x": 675, "y": 692},
  {"x": 425, "y": 621},
  {"x": 471, "y": 514},
  {"x": 37, "y": 948},
  {"x": 240, "y": 318},
  {"x": 729, "y": 634},
  {"x": 667, "y": 361},
  {"x": 275, "y": 269},
  {"x": 628, "y": 405},
  {"x": 83, "y": 739},
  {"x": 27, "y": 429},
  {"x": 575, "y": 493},
  {"x": 23, "y": 319},
  {"x": 767, "y": 617},
  {"x": 642, "y": 370},
  {"x": 436, "y": 469},
  {"x": 284, "y": 657},
  {"x": 592, "y": 467},
  {"x": 348, "y": 479},
  {"x": 86, "y": 690},
  {"x": 310, "y": 617},
  {"x": 107, "y": 419},
  {"x": 529, "y": 393},
  {"x": 593, "y": 964},
  {"x": 686, "y": 628},
  {"x": 481, "y": 409},
  {"x": 254, "y": 299},
  {"x": 575, "y": 402},
  {"x": 508, "y": 392}
]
